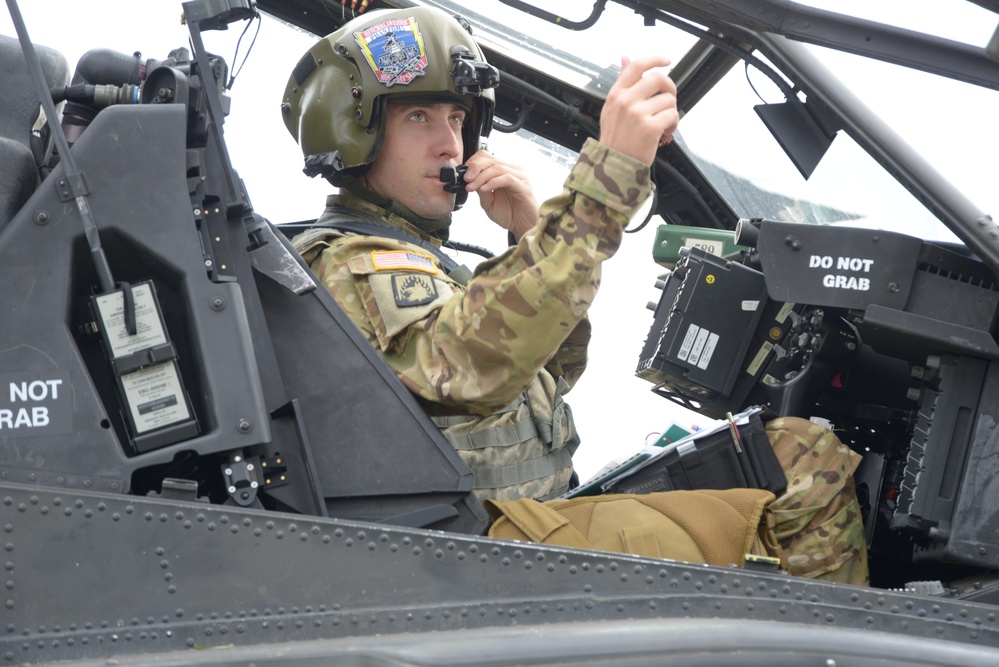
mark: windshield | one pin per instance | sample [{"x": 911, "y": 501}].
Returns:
[
  {"x": 588, "y": 59},
  {"x": 728, "y": 141},
  {"x": 748, "y": 167}
]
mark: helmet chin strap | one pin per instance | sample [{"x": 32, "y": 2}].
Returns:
[{"x": 437, "y": 227}]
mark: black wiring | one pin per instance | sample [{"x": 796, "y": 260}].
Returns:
[
  {"x": 695, "y": 196},
  {"x": 684, "y": 183},
  {"x": 751, "y": 86},
  {"x": 566, "y": 109},
  {"x": 527, "y": 106},
  {"x": 655, "y": 201},
  {"x": 236, "y": 70},
  {"x": 468, "y": 247},
  {"x": 725, "y": 44}
]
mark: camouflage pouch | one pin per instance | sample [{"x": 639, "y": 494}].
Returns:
[
  {"x": 552, "y": 415},
  {"x": 521, "y": 451},
  {"x": 818, "y": 520}
]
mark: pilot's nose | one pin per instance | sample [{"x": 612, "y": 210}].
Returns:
[{"x": 448, "y": 140}]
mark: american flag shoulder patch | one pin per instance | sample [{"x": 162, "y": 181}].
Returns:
[{"x": 394, "y": 260}]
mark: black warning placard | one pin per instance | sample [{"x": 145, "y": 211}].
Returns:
[
  {"x": 35, "y": 404},
  {"x": 838, "y": 267}
]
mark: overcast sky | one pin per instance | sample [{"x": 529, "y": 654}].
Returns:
[{"x": 950, "y": 123}]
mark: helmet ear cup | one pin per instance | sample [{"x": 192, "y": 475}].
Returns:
[{"x": 334, "y": 102}]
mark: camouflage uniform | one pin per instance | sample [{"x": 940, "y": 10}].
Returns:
[
  {"x": 490, "y": 359},
  {"x": 817, "y": 520}
]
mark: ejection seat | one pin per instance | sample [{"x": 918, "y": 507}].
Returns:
[{"x": 24, "y": 149}]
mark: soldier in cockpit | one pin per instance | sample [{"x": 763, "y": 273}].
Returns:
[{"x": 491, "y": 353}]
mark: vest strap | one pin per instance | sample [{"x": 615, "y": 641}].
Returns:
[
  {"x": 493, "y": 477},
  {"x": 348, "y": 220},
  {"x": 497, "y": 436}
]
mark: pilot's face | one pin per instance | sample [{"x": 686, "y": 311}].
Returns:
[{"x": 420, "y": 139}]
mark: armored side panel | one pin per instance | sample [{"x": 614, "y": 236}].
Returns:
[
  {"x": 60, "y": 420},
  {"x": 63, "y": 416},
  {"x": 961, "y": 474},
  {"x": 939, "y": 447},
  {"x": 143, "y": 580},
  {"x": 377, "y": 455}
]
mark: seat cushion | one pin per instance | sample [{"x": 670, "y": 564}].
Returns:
[{"x": 18, "y": 178}]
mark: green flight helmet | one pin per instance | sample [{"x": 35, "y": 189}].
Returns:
[{"x": 334, "y": 103}]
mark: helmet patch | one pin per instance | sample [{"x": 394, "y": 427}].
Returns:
[{"x": 394, "y": 50}]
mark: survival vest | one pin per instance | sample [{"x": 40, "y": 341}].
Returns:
[{"x": 523, "y": 450}]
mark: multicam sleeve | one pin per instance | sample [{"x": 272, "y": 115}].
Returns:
[
  {"x": 570, "y": 359},
  {"x": 520, "y": 308},
  {"x": 620, "y": 186}
]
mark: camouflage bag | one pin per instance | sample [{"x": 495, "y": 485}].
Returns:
[{"x": 817, "y": 519}]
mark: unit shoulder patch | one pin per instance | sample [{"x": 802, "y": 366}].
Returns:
[
  {"x": 398, "y": 300},
  {"x": 413, "y": 289}
]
